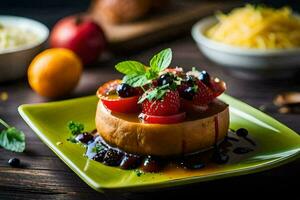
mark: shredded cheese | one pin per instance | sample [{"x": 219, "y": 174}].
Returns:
[{"x": 257, "y": 27}]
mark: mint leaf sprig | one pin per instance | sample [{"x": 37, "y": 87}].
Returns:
[
  {"x": 11, "y": 138},
  {"x": 137, "y": 74},
  {"x": 75, "y": 129}
]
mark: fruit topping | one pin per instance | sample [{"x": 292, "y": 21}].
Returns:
[
  {"x": 100, "y": 155},
  {"x": 204, "y": 94},
  {"x": 108, "y": 95},
  {"x": 161, "y": 102},
  {"x": 108, "y": 88},
  {"x": 166, "y": 78},
  {"x": 204, "y": 77},
  {"x": 113, "y": 157},
  {"x": 190, "y": 80},
  {"x": 121, "y": 105},
  {"x": 218, "y": 86},
  {"x": 188, "y": 92},
  {"x": 164, "y": 94},
  {"x": 124, "y": 90}
]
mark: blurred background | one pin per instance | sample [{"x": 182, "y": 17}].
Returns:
[
  {"x": 43, "y": 10},
  {"x": 97, "y": 34},
  {"x": 47, "y": 12}
]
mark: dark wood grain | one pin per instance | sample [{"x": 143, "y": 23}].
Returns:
[{"x": 45, "y": 176}]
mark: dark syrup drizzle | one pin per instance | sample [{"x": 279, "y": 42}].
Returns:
[
  {"x": 99, "y": 150},
  {"x": 242, "y": 132}
]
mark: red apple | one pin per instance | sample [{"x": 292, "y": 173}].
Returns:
[{"x": 81, "y": 35}]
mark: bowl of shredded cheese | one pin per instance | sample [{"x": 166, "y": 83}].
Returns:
[
  {"x": 20, "y": 40},
  {"x": 251, "y": 38}
]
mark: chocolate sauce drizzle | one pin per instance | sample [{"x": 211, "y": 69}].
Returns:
[{"x": 236, "y": 143}]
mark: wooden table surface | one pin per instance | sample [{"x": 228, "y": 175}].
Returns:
[{"x": 45, "y": 176}]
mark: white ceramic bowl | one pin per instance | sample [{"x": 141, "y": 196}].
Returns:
[
  {"x": 14, "y": 62},
  {"x": 267, "y": 62}
]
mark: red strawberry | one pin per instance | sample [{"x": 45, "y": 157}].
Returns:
[
  {"x": 218, "y": 86},
  {"x": 138, "y": 91},
  {"x": 168, "y": 105},
  {"x": 181, "y": 88},
  {"x": 204, "y": 94}
]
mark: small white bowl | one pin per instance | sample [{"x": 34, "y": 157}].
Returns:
[
  {"x": 14, "y": 62},
  {"x": 266, "y": 62}
]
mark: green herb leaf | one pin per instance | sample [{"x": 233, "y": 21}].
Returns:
[
  {"x": 139, "y": 172},
  {"x": 137, "y": 74},
  {"x": 72, "y": 139},
  {"x": 150, "y": 74},
  {"x": 131, "y": 68},
  {"x": 12, "y": 139},
  {"x": 75, "y": 127},
  {"x": 157, "y": 93},
  {"x": 135, "y": 80},
  {"x": 161, "y": 61},
  {"x": 97, "y": 148}
]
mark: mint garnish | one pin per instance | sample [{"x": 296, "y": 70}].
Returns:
[
  {"x": 11, "y": 138},
  {"x": 138, "y": 75},
  {"x": 161, "y": 61}
]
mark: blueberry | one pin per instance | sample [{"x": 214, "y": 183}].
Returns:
[
  {"x": 14, "y": 162},
  {"x": 84, "y": 138},
  {"x": 188, "y": 93},
  {"x": 242, "y": 132},
  {"x": 204, "y": 77},
  {"x": 130, "y": 161},
  {"x": 125, "y": 90},
  {"x": 100, "y": 155},
  {"x": 164, "y": 79},
  {"x": 113, "y": 157},
  {"x": 190, "y": 80}
]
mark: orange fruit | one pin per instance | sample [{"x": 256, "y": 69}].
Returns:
[{"x": 54, "y": 72}]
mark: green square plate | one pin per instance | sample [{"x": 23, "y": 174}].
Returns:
[{"x": 277, "y": 144}]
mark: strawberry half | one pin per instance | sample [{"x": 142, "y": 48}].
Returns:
[
  {"x": 204, "y": 94},
  {"x": 168, "y": 105},
  {"x": 218, "y": 86},
  {"x": 108, "y": 88}
]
